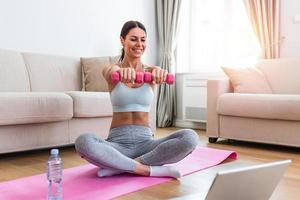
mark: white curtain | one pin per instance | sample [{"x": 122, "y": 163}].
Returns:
[
  {"x": 264, "y": 15},
  {"x": 167, "y": 20}
]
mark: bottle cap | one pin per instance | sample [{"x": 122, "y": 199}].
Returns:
[{"x": 54, "y": 152}]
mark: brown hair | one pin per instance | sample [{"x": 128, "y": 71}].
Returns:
[{"x": 125, "y": 30}]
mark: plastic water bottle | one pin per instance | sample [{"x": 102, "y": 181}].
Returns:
[{"x": 54, "y": 176}]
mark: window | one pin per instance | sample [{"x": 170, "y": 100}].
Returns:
[{"x": 214, "y": 33}]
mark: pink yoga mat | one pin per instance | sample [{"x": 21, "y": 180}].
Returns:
[{"x": 82, "y": 183}]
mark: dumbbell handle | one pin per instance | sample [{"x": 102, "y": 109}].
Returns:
[{"x": 142, "y": 77}]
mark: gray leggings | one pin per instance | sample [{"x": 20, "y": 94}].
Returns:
[{"x": 125, "y": 143}]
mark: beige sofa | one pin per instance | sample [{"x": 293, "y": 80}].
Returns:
[
  {"x": 273, "y": 117},
  {"x": 42, "y": 105}
]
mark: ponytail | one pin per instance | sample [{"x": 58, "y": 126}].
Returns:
[{"x": 122, "y": 55}]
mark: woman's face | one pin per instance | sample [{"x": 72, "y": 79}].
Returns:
[{"x": 134, "y": 43}]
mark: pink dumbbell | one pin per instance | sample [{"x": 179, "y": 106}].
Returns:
[
  {"x": 148, "y": 78},
  {"x": 142, "y": 77}
]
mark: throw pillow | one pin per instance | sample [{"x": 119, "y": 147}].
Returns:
[
  {"x": 248, "y": 80},
  {"x": 92, "y": 68}
]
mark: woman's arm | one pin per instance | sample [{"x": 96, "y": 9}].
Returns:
[
  {"x": 127, "y": 74},
  {"x": 107, "y": 71}
]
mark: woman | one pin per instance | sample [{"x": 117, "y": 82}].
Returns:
[{"x": 130, "y": 146}]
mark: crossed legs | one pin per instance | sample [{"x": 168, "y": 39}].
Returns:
[{"x": 144, "y": 156}]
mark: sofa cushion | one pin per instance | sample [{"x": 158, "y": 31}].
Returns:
[
  {"x": 34, "y": 107},
  {"x": 92, "y": 68},
  {"x": 282, "y": 74},
  {"x": 248, "y": 80},
  {"x": 50, "y": 73},
  {"x": 13, "y": 72},
  {"x": 265, "y": 106},
  {"x": 91, "y": 104}
]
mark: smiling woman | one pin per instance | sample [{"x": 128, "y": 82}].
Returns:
[
  {"x": 136, "y": 40},
  {"x": 130, "y": 146}
]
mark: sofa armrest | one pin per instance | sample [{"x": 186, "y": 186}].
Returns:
[{"x": 215, "y": 88}]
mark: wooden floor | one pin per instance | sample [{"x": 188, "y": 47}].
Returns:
[{"x": 17, "y": 165}]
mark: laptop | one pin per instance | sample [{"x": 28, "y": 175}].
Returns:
[{"x": 247, "y": 183}]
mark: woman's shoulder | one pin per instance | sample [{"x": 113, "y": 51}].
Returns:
[
  {"x": 111, "y": 65},
  {"x": 108, "y": 67}
]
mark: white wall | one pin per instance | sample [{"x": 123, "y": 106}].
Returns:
[
  {"x": 74, "y": 27},
  {"x": 290, "y": 29}
]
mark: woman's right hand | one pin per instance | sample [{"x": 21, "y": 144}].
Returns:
[{"x": 127, "y": 75}]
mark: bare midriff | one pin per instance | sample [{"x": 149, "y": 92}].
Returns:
[{"x": 130, "y": 118}]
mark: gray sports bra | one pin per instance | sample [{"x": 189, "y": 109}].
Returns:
[{"x": 126, "y": 99}]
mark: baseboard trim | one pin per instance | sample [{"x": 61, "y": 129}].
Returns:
[{"x": 190, "y": 124}]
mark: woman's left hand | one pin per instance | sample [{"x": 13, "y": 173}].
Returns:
[{"x": 159, "y": 75}]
